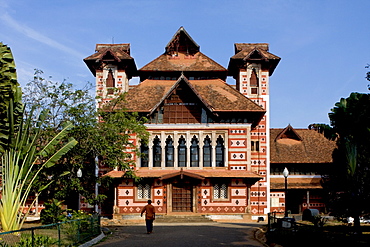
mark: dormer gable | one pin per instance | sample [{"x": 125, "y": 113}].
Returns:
[
  {"x": 182, "y": 104},
  {"x": 288, "y": 133},
  {"x": 255, "y": 54},
  {"x": 109, "y": 56}
]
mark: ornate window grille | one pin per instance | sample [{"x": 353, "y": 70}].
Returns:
[
  {"x": 220, "y": 191},
  {"x": 143, "y": 191}
]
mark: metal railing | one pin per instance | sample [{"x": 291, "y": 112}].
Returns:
[{"x": 66, "y": 233}]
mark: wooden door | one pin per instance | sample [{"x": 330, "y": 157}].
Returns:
[{"x": 182, "y": 198}]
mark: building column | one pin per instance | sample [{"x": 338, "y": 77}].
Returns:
[
  {"x": 163, "y": 147},
  {"x": 213, "y": 144},
  {"x": 188, "y": 144},
  {"x": 150, "y": 151},
  {"x": 201, "y": 144},
  {"x": 175, "y": 146}
]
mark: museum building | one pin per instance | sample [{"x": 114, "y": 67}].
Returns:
[{"x": 209, "y": 149}]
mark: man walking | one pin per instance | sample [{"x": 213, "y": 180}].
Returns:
[{"x": 149, "y": 216}]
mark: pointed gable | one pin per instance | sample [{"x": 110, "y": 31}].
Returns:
[
  {"x": 288, "y": 133},
  {"x": 181, "y": 94},
  {"x": 182, "y": 55},
  {"x": 181, "y": 42}
]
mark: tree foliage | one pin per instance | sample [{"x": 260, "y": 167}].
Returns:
[
  {"x": 106, "y": 139},
  {"x": 10, "y": 95},
  {"x": 23, "y": 154},
  {"x": 348, "y": 181}
]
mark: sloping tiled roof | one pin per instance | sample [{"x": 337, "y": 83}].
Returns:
[
  {"x": 222, "y": 97},
  {"x": 120, "y": 51},
  {"x": 295, "y": 183},
  {"x": 314, "y": 147},
  {"x": 182, "y": 62},
  {"x": 251, "y": 52},
  {"x": 113, "y": 53},
  {"x": 243, "y": 50},
  {"x": 146, "y": 95},
  {"x": 206, "y": 173},
  {"x": 215, "y": 93}
]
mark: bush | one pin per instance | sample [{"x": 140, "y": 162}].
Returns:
[{"x": 53, "y": 212}]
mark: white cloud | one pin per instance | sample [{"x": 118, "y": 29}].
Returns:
[{"x": 31, "y": 33}]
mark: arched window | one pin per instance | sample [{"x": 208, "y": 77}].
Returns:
[
  {"x": 194, "y": 152},
  {"x": 169, "y": 152},
  {"x": 220, "y": 149},
  {"x": 110, "y": 82},
  {"x": 182, "y": 152},
  {"x": 157, "y": 152},
  {"x": 207, "y": 152},
  {"x": 144, "y": 160},
  {"x": 254, "y": 82}
]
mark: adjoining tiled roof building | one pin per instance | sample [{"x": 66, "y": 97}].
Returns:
[
  {"x": 209, "y": 144},
  {"x": 307, "y": 154}
]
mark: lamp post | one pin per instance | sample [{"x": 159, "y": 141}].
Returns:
[
  {"x": 79, "y": 175},
  {"x": 286, "y": 174}
]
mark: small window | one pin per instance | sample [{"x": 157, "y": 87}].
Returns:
[
  {"x": 255, "y": 146},
  {"x": 220, "y": 191},
  {"x": 143, "y": 191}
]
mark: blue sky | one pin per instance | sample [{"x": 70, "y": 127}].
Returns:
[{"x": 324, "y": 45}]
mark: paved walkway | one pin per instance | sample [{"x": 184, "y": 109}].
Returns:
[{"x": 211, "y": 234}]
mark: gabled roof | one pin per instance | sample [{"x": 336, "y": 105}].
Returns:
[
  {"x": 182, "y": 173},
  {"x": 169, "y": 92},
  {"x": 182, "y": 53},
  {"x": 181, "y": 36},
  {"x": 119, "y": 51},
  {"x": 111, "y": 53},
  {"x": 244, "y": 50},
  {"x": 215, "y": 94},
  {"x": 200, "y": 174},
  {"x": 303, "y": 146},
  {"x": 251, "y": 52},
  {"x": 183, "y": 62}
]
